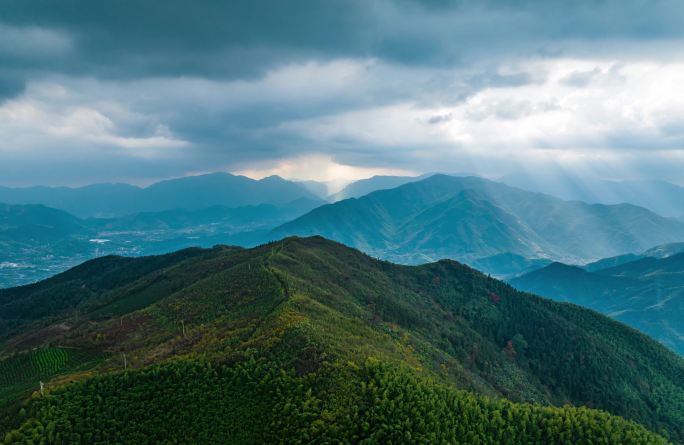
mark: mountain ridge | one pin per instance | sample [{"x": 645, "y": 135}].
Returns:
[
  {"x": 646, "y": 293},
  {"x": 545, "y": 227},
  {"x": 363, "y": 187},
  {"x": 314, "y": 302},
  {"x": 188, "y": 193},
  {"x": 661, "y": 197}
]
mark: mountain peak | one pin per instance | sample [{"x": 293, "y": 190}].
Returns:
[
  {"x": 310, "y": 304},
  {"x": 271, "y": 177},
  {"x": 186, "y": 193},
  {"x": 408, "y": 223}
]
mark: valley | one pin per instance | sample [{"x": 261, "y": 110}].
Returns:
[{"x": 38, "y": 242}]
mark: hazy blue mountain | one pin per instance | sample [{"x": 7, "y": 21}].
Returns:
[
  {"x": 647, "y": 293},
  {"x": 39, "y": 231},
  {"x": 238, "y": 218},
  {"x": 469, "y": 222},
  {"x": 664, "y": 250},
  {"x": 37, "y": 223},
  {"x": 199, "y": 192},
  {"x": 91, "y": 200},
  {"x": 606, "y": 263},
  {"x": 37, "y": 241},
  {"x": 660, "y": 251},
  {"x": 509, "y": 265},
  {"x": 188, "y": 193},
  {"x": 317, "y": 188},
  {"x": 662, "y": 197},
  {"x": 554, "y": 280},
  {"x": 470, "y": 218},
  {"x": 365, "y": 186}
]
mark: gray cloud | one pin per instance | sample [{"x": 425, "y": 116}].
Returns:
[
  {"x": 95, "y": 89},
  {"x": 242, "y": 38}
]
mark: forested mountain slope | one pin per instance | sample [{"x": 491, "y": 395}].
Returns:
[
  {"x": 310, "y": 340},
  {"x": 646, "y": 293},
  {"x": 471, "y": 219}
]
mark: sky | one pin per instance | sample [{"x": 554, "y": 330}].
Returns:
[{"x": 329, "y": 90}]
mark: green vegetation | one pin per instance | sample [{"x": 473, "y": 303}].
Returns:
[
  {"x": 645, "y": 293},
  {"x": 23, "y": 371},
  {"x": 317, "y": 311},
  {"x": 254, "y": 402},
  {"x": 21, "y": 374},
  {"x": 80, "y": 289}
]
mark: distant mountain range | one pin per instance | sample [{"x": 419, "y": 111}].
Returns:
[
  {"x": 318, "y": 189},
  {"x": 662, "y": 197},
  {"x": 225, "y": 189},
  {"x": 37, "y": 241},
  {"x": 508, "y": 265},
  {"x": 188, "y": 193},
  {"x": 231, "y": 219},
  {"x": 309, "y": 341},
  {"x": 36, "y": 224},
  {"x": 660, "y": 251},
  {"x": 363, "y": 187},
  {"x": 496, "y": 228},
  {"x": 473, "y": 220},
  {"x": 645, "y": 291}
]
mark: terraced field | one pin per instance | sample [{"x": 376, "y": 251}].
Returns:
[{"x": 23, "y": 372}]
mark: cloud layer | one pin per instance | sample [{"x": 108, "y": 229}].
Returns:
[{"x": 130, "y": 91}]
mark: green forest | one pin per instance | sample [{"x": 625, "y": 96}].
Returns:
[
  {"x": 308, "y": 341},
  {"x": 191, "y": 402}
]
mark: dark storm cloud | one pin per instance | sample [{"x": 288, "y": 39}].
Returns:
[
  {"x": 10, "y": 84},
  {"x": 134, "y": 38},
  {"x": 122, "y": 78}
]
